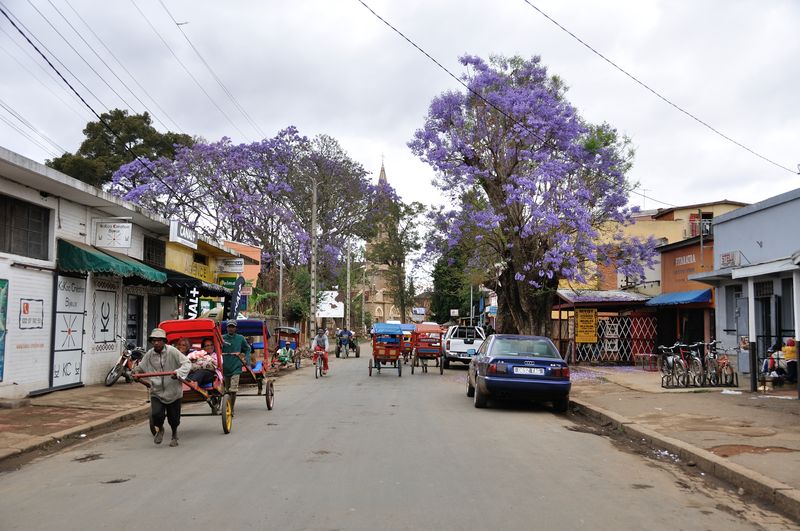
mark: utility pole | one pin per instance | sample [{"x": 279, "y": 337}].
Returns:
[
  {"x": 312, "y": 319},
  {"x": 471, "y": 308},
  {"x": 700, "y": 225},
  {"x": 364, "y": 292},
  {"x": 280, "y": 284},
  {"x": 347, "y": 308}
]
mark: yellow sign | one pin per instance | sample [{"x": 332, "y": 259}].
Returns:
[{"x": 586, "y": 325}]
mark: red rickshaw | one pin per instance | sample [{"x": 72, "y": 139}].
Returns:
[
  {"x": 196, "y": 330},
  {"x": 427, "y": 346},
  {"x": 407, "y": 345},
  {"x": 386, "y": 338}
]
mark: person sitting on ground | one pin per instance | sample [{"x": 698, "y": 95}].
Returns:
[{"x": 204, "y": 364}]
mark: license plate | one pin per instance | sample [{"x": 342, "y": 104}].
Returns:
[{"x": 537, "y": 371}]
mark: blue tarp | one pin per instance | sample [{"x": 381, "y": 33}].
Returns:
[
  {"x": 680, "y": 297},
  {"x": 407, "y": 327},
  {"x": 386, "y": 328}
]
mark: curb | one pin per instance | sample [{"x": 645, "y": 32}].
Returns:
[
  {"x": 783, "y": 497},
  {"x": 47, "y": 441}
]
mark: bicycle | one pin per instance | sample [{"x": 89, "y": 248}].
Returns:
[
  {"x": 694, "y": 363},
  {"x": 718, "y": 365},
  {"x": 673, "y": 367},
  {"x": 319, "y": 361}
]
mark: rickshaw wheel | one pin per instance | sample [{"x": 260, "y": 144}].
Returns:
[
  {"x": 270, "y": 395},
  {"x": 370, "y": 367},
  {"x": 441, "y": 366},
  {"x": 358, "y": 351},
  {"x": 297, "y": 362},
  {"x": 152, "y": 427},
  {"x": 260, "y": 386},
  {"x": 227, "y": 419},
  {"x": 399, "y": 368},
  {"x": 412, "y": 368}
]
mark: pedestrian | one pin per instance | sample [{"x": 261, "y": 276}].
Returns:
[
  {"x": 234, "y": 351},
  {"x": 165, "y": 392}
]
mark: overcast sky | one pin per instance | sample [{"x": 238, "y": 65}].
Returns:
[{"x": 332, "y": 67}]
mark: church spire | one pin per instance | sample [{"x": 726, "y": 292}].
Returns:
[{"x": 382, "y": 176}]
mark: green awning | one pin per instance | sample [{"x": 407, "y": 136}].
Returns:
[{"x": 76, "y": 257}]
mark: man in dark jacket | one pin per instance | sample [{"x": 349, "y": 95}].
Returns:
[{"x": 234, "y": 349}]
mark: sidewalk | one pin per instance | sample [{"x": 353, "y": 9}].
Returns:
[{"x": 750, "y": 440}]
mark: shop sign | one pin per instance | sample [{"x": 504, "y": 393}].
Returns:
[
  {"x": 191, "y": 305},
  {"x": 104, "y": 322},
  {"x": 586, "y": 325},
  {"x": 685, "y": 260},
  {"x": 247, "y": 290},
  {"x": 454, "y": 312},
  {"x": 182, "y": 233},
  {"x": 68, "y": 330},
  {"x": 31, "y": 314},
  {"x": 227, "y": 282},
  {"x": 729, "y": 259},
  {"x": 113, "y": 235},
  {"x": 231, "y": 265}
]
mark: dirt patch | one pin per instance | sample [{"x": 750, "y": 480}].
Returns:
[{"x": 730, "y": 450}]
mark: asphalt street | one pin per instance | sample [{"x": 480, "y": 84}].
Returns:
[{"x": 349, "y": 451}]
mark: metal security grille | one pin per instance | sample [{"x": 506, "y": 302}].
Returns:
[
  {"x": 765, "y": 288},
  {"x": 155, "y": 251},
  {"x": 619, "y": 338}
]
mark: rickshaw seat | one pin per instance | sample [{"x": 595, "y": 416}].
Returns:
[
  {"x": 259, "y": 366},
  {"x": 258, "y": 345},
  {"x": 293, "y": 345},
  {"x": 207, "y": 385},
  {"x": 282, "y": 343}
]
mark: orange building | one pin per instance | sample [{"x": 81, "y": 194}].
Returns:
[{"x": 685, "y": 308}]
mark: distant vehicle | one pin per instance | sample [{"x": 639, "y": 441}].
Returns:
[
  {"x": 523, "y": 367},
  {"x": 459, "y": 340}
]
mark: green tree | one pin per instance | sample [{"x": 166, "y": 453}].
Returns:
[
  {"x": 449, "y": 283},
  {"x": 397, "y": 237},
  {"x": 102, "y": 153}
]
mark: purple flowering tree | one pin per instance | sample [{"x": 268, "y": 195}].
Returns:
[{"x": 535, "y": 194}]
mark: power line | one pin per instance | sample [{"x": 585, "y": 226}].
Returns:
[
  {"x": 107, "y": 84},
  {"x": 91, "y": 48},
  {"x": 32, "y": 127},
  {"x": 199, "y": 85},
  {"x": 28, "y": 136},
  {"x": 68, "y": 105},
  {"x": 657, "y": 94},
  {"x": 100, "y": 118},
  {"x": 135, "y": 80},
  {"x": 214, "y": 74},
  {"x": 487, "y": 102},
  {"x": 19, "y": 26}
]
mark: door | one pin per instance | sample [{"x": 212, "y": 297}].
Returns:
[
  {"x": 69, "y": 311},
  {"x": 134, "y": 319},
  {"x": 153, "y": 312},
  {"x": 742, "y": 313}
]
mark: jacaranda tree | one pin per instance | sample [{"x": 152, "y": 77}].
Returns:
[{"x": 542, "y": 193}]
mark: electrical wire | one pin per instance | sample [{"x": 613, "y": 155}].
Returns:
[
  {"x": 10, "y": 110},
  {"x": 82, "y": 58},
  {"x": 214, "y": 74},
  {"x": 28, "y": 136},
  {"x": 100, "y": 118},
  {"x": 199, "y": 85},
  {"x": 487, "y": 102},
  {"x": 657, "y": 94},
  {"x": 122, "y": 65},
  {"x": 91, "y": 48}
]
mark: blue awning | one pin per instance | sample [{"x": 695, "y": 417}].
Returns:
[{"x": 680, "y": 297}]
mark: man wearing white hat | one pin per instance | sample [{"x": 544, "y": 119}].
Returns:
[{"x": 165, "y": 392}]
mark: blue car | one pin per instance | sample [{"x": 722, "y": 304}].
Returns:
[{"x": 524, "y": 367}]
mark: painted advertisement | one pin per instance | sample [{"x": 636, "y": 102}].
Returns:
[
  {"x": 68, "y": 330},
  {"x": 104, "y": 324},
  {"x": 3, "y": 312},
  {"x": 31, "y": 314}
]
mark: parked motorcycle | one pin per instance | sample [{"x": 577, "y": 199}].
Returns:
[{"x": 129, "y": 357}]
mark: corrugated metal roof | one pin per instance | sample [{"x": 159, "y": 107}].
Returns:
[{"x": 614, "y": 296}]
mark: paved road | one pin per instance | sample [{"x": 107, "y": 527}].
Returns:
[{"x": 353, "y": 452}]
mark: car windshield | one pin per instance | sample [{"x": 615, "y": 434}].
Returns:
[{"x": 524, "y": 347}]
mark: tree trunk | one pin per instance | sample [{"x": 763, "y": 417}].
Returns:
[{"x": 523, "y": 310}]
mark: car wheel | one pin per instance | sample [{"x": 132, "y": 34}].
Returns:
[
  {"x": 478, "y": 398},
  {"x": 470, "y": 388},
  {"x": 445, "y": 363},
  {"x": 561, "y": 405}
]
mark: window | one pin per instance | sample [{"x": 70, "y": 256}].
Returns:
[
  {"x": 764, "y": 288},
  {"x": 155, "y": 251},
  {"x": 731, "y": 293},
  {"x": 787, "y": 306},
  {"x": 542, "y": 348},
  {"x": 24, "y": 228},
  {"x": 200, "y": 259}
]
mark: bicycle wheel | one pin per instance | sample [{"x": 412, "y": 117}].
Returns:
[
  {"x": 728, "y": 377},
  {"x": 681, "y": 374},
  {"x": 697, "y": 378}
]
